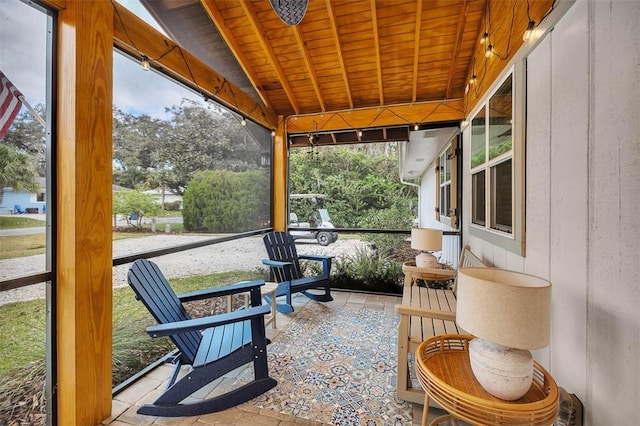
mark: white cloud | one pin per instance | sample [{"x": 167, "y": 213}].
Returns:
[{"x": 23, "y": 32}]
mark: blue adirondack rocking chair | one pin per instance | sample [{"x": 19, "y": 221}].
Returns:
[
  {"x": 212, "y": 346},
  {"x": 285, "y": 270}
]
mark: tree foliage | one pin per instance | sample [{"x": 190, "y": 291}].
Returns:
[
  {"x": 358, "y": 183},
  {"x": 155, "y": 153},
  {"x": 134, "y": 205},
  {"x": 16, "y": 171},
  {"x": 223, "y": 201}
]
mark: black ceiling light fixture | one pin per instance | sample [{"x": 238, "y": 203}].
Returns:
[{"x": 290, "y": 11}]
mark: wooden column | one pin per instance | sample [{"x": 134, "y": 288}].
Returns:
[
  {"x": 280, "y": 167},
  {"x": 83, "y": 265}
]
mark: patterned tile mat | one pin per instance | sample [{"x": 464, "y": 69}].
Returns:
[{"x": 336, "y": 365}]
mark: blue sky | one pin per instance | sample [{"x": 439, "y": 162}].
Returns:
[{"x": 23, "y": 56}]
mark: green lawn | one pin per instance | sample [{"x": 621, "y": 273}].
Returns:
[
  {"x": 30, "y": 245},
  {"x": 13, "y": 222}
]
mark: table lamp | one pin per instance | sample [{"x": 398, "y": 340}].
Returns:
[
  {"x": 426, "y": 239},
  {"x": 508, "y": 313}
]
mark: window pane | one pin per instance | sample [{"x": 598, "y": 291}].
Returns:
[
  {"x": 501, "y": 202},
  {"x": 445, "y": 204},
  {"x": 478, "y": 143},
  {"x": 478, "y": 198},
  {"x": 447, "y": 168},
  {"x": 441, "y": 169},
  {"x": 500, "y": 120}
]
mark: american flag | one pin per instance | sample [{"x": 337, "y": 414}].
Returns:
[{"x": 10, "y": 103}]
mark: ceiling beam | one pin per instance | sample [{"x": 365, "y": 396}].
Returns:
[
  {"x": 310, "y": 69},
  {"x": 214, "y": 13},
  {"x": 336, "y": 39},
  {"x": 363, "y": 118},
  {"x": 271, "y": 56},
  {"x": 376, "y": 40},
  {"x": 416, "y": 50},
  {"x": 135, "y": 37},
  {"x": 462, "y": 19}
]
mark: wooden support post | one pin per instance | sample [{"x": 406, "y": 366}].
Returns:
[
  {"x": 280, "y": 167},
  {"x": 83, "y": 256}
]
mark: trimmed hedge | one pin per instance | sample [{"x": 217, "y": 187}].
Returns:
[{"x": 224, "y": 201}]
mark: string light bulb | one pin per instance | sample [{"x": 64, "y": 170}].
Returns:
[
  {"x": 472, "y": 80},
  {"x": 489, "y": 51},
  {"x": 243, "y": 122},
  {"x": 484, "y": 38},
  {"x": 145, "y": 63},
  {"x": 359, "y": 133},
  {"x": 529, "y": 31},
  {"x": 416, "y": 127},
  {"x": 273, "y": 133}
]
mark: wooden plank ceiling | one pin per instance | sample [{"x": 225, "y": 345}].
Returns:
[{"x": 345, "y": 55}]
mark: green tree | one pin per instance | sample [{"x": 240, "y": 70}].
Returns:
[
  {"x": 16, "y": 171},
  {"x": 358, "y": 182},
  {"x": 134, "y": 205},
  {"x": 137, "y": 144},
  {"x": 28, "y": 136}
]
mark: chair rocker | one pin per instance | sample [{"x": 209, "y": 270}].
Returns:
[
  {"x": 212, "y": 346},
  {"x": 285, "y": 270}
]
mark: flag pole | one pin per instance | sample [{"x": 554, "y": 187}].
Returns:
[{"x": 33, "y": 112}]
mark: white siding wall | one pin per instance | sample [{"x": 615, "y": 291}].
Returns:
[{"x": 583, "y": 203}]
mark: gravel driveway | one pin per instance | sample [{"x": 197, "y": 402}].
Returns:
[{"x": 239, "y": 255}]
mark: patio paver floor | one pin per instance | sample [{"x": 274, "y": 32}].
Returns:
[{"x": 147, "y": 389}]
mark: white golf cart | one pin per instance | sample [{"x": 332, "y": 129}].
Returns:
[{"x": 323, "y": 235}]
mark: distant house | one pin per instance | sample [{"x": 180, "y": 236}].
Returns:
[
  {"x": 24, "y": 199},
  {"x": 165, "y": 196}
]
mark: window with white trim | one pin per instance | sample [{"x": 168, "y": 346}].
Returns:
[{"x": 492, "y": 196}]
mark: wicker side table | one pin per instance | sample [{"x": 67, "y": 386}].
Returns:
[{"x": 443, "y": 368}]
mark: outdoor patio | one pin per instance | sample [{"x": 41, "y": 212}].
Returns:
[{"x": 347, "y": 379}]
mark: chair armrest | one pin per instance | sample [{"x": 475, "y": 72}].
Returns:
[
  {"x": 424, "y": 312},
  {"x": 220, "y": 291},
  {"x": 275, "y": 263},
  {"x": 171, "y": 328},
  {"x": 316, "y": 257}
]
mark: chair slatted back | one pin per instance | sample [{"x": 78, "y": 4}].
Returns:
[
  {"x": 282, "y": 247},
  {"x": 152, "y": 288}
]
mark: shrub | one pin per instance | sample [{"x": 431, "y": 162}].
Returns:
[
  {"x": 367, "y": 271},
  {"x": 223, "y": 201},
  {"x": 397, "y": 217}
]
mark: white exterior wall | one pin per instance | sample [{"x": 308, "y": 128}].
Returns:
[{"x": 583, "y": 203}]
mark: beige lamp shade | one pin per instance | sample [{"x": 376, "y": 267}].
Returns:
[
  {"x": 426, "y": 239},
  {"x": 504, "y": 307}
]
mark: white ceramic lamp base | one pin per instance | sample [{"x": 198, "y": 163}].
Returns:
[
  {"x": 426, "y": 260},
  {"x": 504, "y": 372}
]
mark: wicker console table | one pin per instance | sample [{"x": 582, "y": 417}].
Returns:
[{"x": 442, "y": 365}]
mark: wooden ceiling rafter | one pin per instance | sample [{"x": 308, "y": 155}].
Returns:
[
  {"x": 309, "y": 66},
  {"x": 270, "y": 55},
  {"x": 416, "y": 50},
  {"x": 376, "y": 43},
  {"x": 390, "y": 115},
  {"x": 214, "y": 14},
  {"x": 336, "y": 39},
  {"x": 462, "y": 19}
]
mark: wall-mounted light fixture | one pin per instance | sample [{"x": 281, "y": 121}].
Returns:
[{"x": 529, "y": 31}]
